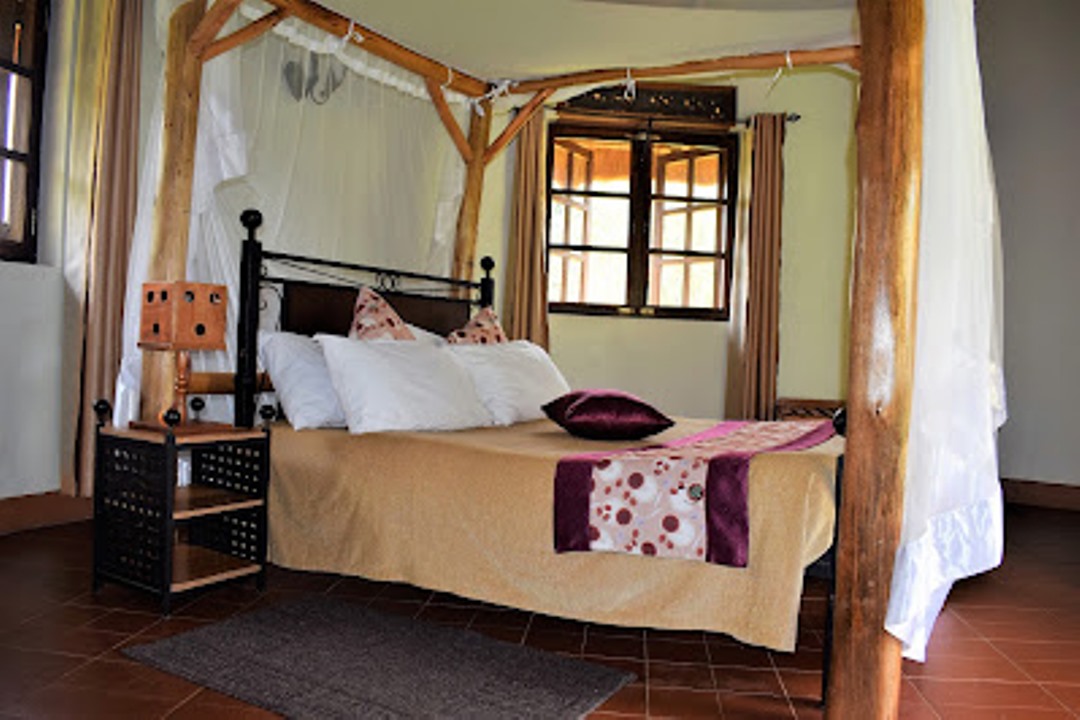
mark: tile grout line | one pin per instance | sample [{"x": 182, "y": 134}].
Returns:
[
  {"x": 783, "y": 686},
  {"x": 925, "y": 699},
  {"x": 182, "y": 703},
  {"x": 1031, "y": 679}
]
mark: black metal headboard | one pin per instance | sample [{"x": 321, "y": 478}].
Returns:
[{"x": 438, "y": 304}]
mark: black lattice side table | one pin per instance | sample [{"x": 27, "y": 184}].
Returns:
[{"x": 151, "y": 534}]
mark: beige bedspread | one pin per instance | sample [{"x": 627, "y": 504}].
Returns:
[{"x": 470, "y": 513}]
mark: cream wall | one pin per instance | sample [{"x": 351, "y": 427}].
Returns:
[
  {"x": 680, "y": 365},
  {"x": 1029, "y": 57},
  {"x": 30, "y": 391}
]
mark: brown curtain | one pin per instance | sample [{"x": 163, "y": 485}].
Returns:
[
  {"x": 753, "y": 359},
  {"x": 525, "y": 308},
  {"x": 115, "y": 192}
]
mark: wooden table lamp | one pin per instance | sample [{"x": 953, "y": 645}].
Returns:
[{"x": 180, "y": 317}]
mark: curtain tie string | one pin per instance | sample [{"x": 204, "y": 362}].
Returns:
[
  {"x": 779, "y": 72},
  {"x": 351, "y": 34},
  {"x": 499, "y": 88}
]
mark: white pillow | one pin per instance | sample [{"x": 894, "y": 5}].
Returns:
[
  {"x": 426, "y": 336},
  {"x": 401, "y": 386},
  {"x": 513, "y": 379},
  {"x": 301, "y": 380}
]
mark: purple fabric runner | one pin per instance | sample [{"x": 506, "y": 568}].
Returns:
[{"x": 726, "y": 492}]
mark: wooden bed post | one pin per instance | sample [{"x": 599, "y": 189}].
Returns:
[
  {"x": 865, "y": 682},
  {"x": 172, "y": 211},
  {"x": 469, "y": 212}
]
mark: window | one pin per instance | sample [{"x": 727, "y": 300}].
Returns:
[
  {"x": 640, "y": 221},
  {"x": 22, "y": 74}
]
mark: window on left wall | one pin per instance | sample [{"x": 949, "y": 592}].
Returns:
[{"x": 23, "y": 26}]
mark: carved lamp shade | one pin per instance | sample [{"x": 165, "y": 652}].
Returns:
[{"x": 183, "y": 316}]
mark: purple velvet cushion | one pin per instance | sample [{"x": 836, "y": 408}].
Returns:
[{"x": 606, "y": 415}]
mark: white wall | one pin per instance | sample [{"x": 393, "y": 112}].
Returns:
[
  {"x": 681, "y": 365},
  {"x": 1029, "y": 58},
  {"x": 30, "y": 359}
]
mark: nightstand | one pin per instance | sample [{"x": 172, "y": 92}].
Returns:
[{"x": 152, "y": 534}]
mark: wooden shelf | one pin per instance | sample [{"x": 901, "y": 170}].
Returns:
[
  {"x": 186, "y": 439},
  {"x": 195, "y": 500},
  {"x": 195, "y": 566}
]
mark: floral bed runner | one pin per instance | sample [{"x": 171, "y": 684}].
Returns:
[{"x": 684, "y": 499}]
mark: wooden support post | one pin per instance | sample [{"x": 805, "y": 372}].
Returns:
[
  {"x": 865, "y": 682},
  {"x": 172, "y": 211},
  {"x": 469, "y": 212}
]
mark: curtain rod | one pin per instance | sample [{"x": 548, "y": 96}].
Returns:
[{"x": 791, "y": 117}]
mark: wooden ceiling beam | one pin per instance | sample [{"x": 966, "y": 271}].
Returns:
[
  {"x": 382, "y": 46},
  {"x": 843, "y": 55},
  {"x": 245, "y": 34}
]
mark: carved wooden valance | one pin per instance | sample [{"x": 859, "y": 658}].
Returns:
[{"x": 658, "y": 101}]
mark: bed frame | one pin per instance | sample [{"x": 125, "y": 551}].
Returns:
[
  {"x": 308, "y": 307},
  {"x": 434, "y": 303}
]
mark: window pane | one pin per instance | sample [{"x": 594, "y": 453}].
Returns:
[
  {"x": 555, "y": 277},
  {"x": 16, "y": 31},
  {"x": 586, "y": 220},
  {"x": 605, "y": 278},
  {"x": 678, "y": 281},
  {"x": 671, "y": 226},
  {"x": 681, "y": 170},
  {"x": 557, "y": 234},
  {"x": 12, "y": 200},
  {"x": 671, "y": 177},
  {"x": 704, "y": 277},
  {"x": 587, "y": 277},
  {"x": 589, "y": 164},
  {"x": 704, "y": 235},
  {"x": 15, "y": 109},
  {"x": 669, "y": 284},
  {"x": 560, "y": 167},
  {"x": 707, "y": 176},
  {"x": 578, "y": 219}
]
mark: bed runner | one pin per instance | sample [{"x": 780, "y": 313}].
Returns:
[{"x": 684, "y": 499}]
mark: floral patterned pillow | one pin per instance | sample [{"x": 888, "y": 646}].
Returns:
[
  {"x": 374, "y": 319},
  {"x": 482, "y": 329}
]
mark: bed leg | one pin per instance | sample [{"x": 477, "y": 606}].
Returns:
[{"x": 830, "y": 596}]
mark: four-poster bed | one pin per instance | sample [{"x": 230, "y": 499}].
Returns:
[
  {"x": 478, "y": 521},
  {"x": 866, "y": 678}
]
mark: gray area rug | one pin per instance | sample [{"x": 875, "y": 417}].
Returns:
[{"x": 321, "y": 657}]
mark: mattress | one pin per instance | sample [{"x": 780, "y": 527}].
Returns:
[{"x": 470, "y": 512}]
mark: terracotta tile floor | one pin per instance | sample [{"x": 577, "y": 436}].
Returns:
[{"x": 1007, "y": 646}]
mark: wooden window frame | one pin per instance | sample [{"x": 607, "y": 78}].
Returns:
[
  {"x": 25, "y": 250},
  {"x": 642, "y": 134}
]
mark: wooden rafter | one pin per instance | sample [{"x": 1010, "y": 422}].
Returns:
[
  {"x": 846, "y": 54},
  {"x": 865, "y": 682},
  {"x": 210, "y": 25},
  {"x": 245, "y": 34},
  {"x": 515, "y": 125},
  {"x": 376, "y": 44},
  {"x": 448, "y": 120}
]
